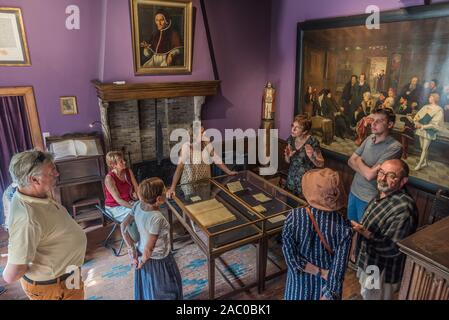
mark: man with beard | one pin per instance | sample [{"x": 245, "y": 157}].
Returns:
[
  {"x": 389, "y": 217},
  {"x": 413, "y": 91}
]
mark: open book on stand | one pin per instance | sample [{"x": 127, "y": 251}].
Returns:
[{"x": 75, "y": 148}]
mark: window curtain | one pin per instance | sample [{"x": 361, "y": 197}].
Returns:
[{"x": 15, "y": 137}]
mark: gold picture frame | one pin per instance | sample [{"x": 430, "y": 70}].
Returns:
[
  {"x": 162, "y": 36},
  {"x": 14, "y": 51},
  {"x": 68, "y": 105}
]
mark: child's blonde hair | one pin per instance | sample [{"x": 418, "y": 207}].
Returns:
[
  {"x": 150, "y": 189},
  {"x": 112, "y": 157}
]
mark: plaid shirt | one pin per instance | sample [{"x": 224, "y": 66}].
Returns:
[{"x": 389, "y": 220}]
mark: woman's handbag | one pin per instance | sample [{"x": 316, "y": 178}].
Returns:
[{"x": 318, "y": 231}]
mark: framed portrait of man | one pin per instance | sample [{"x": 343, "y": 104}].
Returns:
[
  {"x": 13, "y": 44},
  {"x": 162, "y": 36},
  {"x": 68, "y": 105}
]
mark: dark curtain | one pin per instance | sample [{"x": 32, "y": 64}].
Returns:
[{"x": 15, "y": 137}]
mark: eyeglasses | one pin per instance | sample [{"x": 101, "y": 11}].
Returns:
[
  {"x": 39, "y": 159},
  {"x": 389, "y": 175}
]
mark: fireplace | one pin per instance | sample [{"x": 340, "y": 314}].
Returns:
[{"x": 138, "y": 119}]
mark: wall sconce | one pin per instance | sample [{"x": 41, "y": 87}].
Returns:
[{"x": 93, "y": 124}]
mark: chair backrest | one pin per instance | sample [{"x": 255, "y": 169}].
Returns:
[{"x": 440, "y": 207}]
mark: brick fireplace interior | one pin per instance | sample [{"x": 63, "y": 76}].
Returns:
[{"x": 134, "y": 130}]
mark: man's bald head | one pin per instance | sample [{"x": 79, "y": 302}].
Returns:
[{"x": 392, "y": 175}]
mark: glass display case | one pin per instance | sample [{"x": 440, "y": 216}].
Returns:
[
  {"x": 240, "y": 225},
  {"x": 227, "y": 212},
  {"x": 270, "y": 202}
]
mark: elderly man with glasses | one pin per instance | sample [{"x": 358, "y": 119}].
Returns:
[
  {"x": 46, "y": 246},
  {"x": 388, "y": 218}
]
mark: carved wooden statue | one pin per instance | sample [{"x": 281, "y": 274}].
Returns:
[{"x": 268, "y": 101}]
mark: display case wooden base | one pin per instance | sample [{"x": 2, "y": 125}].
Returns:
[{"x": 426, "y": 273}]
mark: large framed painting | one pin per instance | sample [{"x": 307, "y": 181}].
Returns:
[
  {"x": 162, "y": 36},
  {"x": 355, "y": 69},
  {"x": 13, "y": 44}
]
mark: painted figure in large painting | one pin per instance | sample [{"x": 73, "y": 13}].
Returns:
[
  {"x": 165, "y": 47},
  {"x": 428, "y": 121},
  {"x": 413, "y": 91}
]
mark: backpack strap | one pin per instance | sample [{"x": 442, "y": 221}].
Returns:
[{"x": 318, "y": 231}]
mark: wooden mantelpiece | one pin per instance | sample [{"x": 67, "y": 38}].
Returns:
[{"x": 109, "y": 92}]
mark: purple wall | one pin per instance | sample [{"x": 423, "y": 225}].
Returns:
[
  {"x": 241, "y": 54},
  {"x": 63, "y": 61},
  {"x": 285, "y": 15},
  {"x": 240, "y": 33}
]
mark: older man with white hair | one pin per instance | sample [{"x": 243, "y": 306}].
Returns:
[{"x": 46, "y": 246}]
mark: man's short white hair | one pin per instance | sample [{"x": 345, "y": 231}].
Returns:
[{"x": 26, "y": 164}]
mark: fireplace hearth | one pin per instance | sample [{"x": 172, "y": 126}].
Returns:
[{"x": 147, "y": 169}]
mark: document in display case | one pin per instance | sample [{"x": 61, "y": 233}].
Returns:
[{"x": 269, "y": 202}]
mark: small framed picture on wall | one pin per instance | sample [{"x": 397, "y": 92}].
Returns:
[{"x": 68, "y": 105}]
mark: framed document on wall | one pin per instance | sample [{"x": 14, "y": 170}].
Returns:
[{"x": 13, "y": 44}]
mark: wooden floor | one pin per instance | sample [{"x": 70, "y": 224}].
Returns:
[{"x": 108, "y": 277}]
